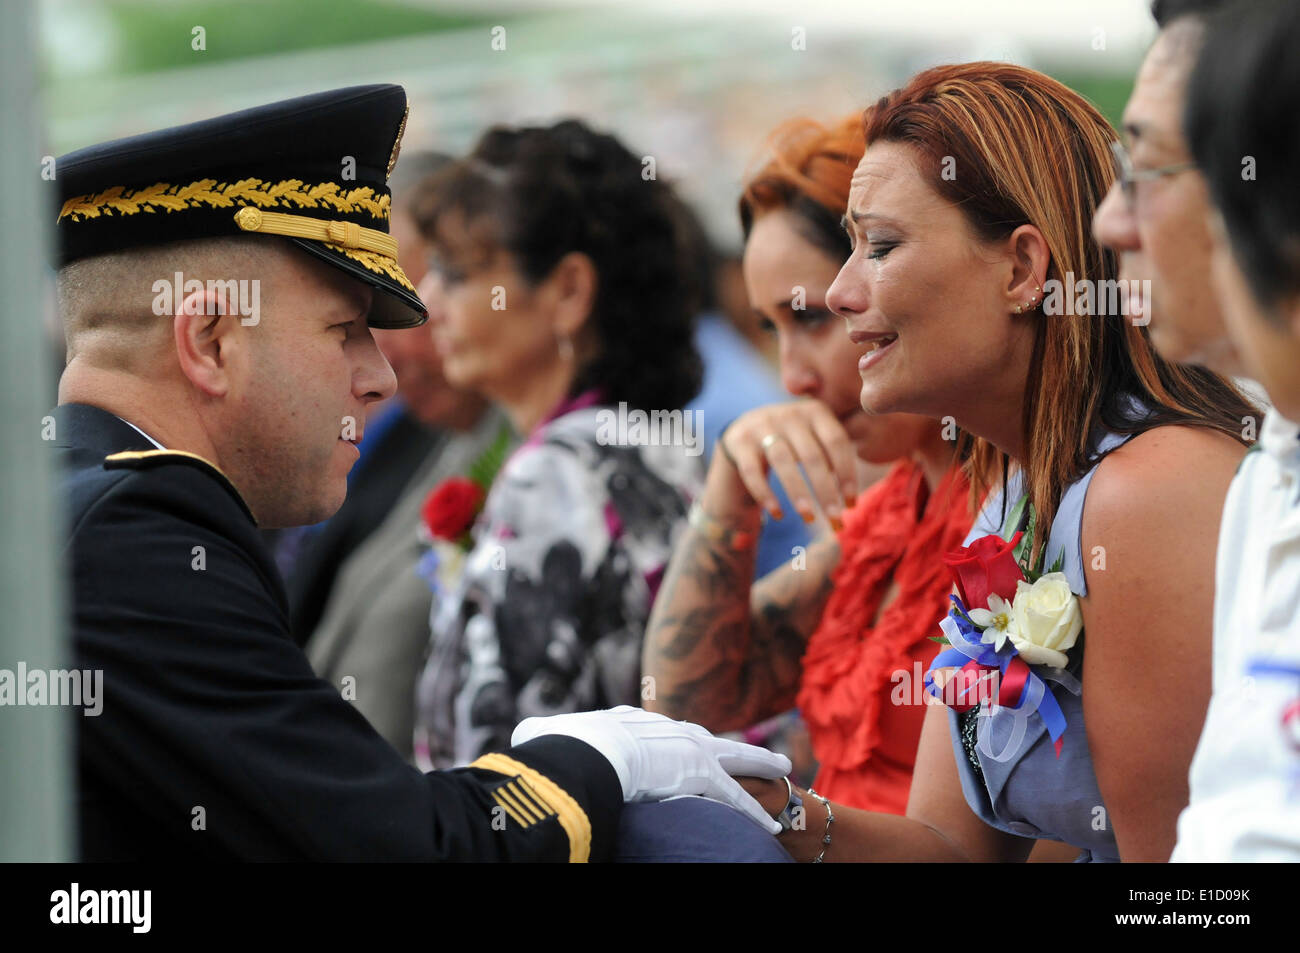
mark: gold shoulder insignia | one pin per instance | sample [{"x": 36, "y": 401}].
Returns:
[
  {"x": 531, "y": 797},
  {"x": 148, "y": 459}
]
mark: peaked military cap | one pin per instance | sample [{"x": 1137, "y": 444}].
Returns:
[{"x": 313, "y": 170}]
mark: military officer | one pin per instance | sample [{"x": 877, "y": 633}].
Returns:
[{"x": 218, "y": 282}]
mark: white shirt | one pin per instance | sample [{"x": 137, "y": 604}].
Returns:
[
  {"x": 142, "y": 433},
  {"x": 1245, "y": 777}
]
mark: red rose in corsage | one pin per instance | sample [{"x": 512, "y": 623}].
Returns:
[
  {"x": 451, "y": 509},
  {"x": 1008, "y": 632},
  {"x": 986, "y": 567}
]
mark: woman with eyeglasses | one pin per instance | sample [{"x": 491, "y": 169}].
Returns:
[{"x": 1071, "y": 700}]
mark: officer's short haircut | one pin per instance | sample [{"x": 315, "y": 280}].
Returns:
[
  {"x": 113, "y": 293},
  {"x": 1243, "y": 100}
]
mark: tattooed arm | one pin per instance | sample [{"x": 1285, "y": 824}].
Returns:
[
  {"x": 721, "y": 655},
  {"x": 724, "y": 657}
]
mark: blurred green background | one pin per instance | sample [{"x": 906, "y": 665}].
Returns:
[
  {"x": 146, "y": 31},
  {"x": 695, "y": 83}
]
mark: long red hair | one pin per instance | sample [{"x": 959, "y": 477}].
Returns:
[
  {"x": 1029, "y": 150},
  {"x": 808, "y": 171}
]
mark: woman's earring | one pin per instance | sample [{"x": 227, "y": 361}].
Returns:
[
  {"x": 1032, "y": 302},
  {"x": 565, "y": 345}
]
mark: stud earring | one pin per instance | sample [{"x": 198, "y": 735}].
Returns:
[{"x": 1032, "y": 302}]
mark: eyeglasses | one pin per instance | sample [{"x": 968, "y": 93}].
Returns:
[{"x": 1129, "y": 177}]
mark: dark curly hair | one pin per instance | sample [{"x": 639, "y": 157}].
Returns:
[{"x": 541, "y": 192}]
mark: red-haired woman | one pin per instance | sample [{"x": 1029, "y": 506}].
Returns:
[
  {"x": 843, "y": 629},
  {"x": 970, "y": 214}
]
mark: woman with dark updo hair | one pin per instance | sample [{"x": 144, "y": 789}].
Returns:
[{"x": 558, "y": 288}]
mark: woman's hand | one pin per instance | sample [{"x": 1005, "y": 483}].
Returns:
[
  {"x": 771, "y": 794},
  {"x": 784, "y": 437},
  {"x": 722, "y": 653}
]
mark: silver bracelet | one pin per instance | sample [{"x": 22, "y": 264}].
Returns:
[
  {"x": 789, "y": 815},
  {"x": 830, "y": 819}
]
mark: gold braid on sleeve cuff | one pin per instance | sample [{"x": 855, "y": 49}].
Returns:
[{"x": 532, "y": 797}]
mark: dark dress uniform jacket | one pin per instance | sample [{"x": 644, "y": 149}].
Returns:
[{"x": 217, "y": 741}]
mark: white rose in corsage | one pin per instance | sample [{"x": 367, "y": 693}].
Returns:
[
  {"x": 1046, "y": 620},
  {"x": 1003, "y": 599}
]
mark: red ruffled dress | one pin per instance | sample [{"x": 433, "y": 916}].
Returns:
[{"x": 861, "y": 688}]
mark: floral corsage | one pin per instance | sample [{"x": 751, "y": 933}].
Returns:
[{"x": 1008, "y": 631}]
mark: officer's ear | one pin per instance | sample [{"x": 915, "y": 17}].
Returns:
[{"x": 208, "y": 337}]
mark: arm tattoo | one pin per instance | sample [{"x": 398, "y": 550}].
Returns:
[{"x": 722, "y": 655}]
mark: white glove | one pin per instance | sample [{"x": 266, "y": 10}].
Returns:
[{"x": 658, "y": 758}]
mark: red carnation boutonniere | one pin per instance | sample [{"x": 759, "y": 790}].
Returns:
[
  {"x": 451, "y": 508},
  {"x": 449, "y": 513}
]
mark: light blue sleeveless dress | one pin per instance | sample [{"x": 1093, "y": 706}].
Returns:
[{"x": 1033, "y": 793}]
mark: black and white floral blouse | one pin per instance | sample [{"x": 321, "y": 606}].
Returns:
[{"x": 550, "y": 609}]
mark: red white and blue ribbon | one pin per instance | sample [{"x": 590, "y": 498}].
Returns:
[{"x": 1021, "y": 690}]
